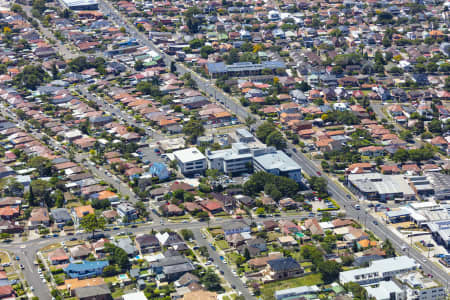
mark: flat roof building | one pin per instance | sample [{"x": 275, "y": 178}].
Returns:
[
  {"x": 441, "y": 184},
  {"x": 242, "y": 68},
  {"x": 441, "y": 232},
  {"x": 237, "y": 159},
  {"x": 276, "y": 162},
  {"x": 80, "y": 4},
  {"x": 379, "y": 270},
  {"x": 421, "y": 288},
  {"x": 376, "y": 186},
  {"x": 190, "y": 160},
  {"x": 293, "y": 293},
  {"x": 386, "y": 290}
]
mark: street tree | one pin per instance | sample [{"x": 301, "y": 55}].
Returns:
[{"x": 91, "y": 223}]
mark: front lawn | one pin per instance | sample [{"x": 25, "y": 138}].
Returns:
[
  {"x": 268, "y": 289},
  {"x": 4, "y": 257},
  {"x": 222, "y": 244}
]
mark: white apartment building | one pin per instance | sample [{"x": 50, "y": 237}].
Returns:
[
  {"x": 379, "y": 270},
  {"x": 234, "y": 160},
  {"x": 190, "y": 161}
]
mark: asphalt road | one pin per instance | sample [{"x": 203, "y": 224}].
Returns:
[
  {"x": 27, "y": 250},
  {"x": 234, "y": 281},
  {"x": 362, "y": 216},
  {"x": 307, "y": 166}
]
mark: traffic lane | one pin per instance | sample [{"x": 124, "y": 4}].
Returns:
[
  {"x": 31, "y": 275},
  {"x": 386, "y": 233},
  {"x": 234, "y": 281}
]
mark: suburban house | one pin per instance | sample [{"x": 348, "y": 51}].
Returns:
[
  {"x": 61, "y": 216},
  {"x": 86, "y": 269},
  {"x": 147, "y": 243},
  {"x": 171, "y": 268},
  {"x": 236, "y": 227},
  {"x": 282, "y": 268}
]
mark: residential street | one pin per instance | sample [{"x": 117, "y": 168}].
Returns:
[{"x": 307, "y": 166}]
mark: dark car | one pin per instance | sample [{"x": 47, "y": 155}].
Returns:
[{"x": 318, "y": 173}]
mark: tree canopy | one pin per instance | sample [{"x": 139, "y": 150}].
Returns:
[
  {"x": 262, "y": 181},
  {"x": 91, "y": 223},
  {"x": 31, "y": 77}
]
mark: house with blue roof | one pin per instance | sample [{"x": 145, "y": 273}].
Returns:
[
  {"x": 86, "y": 269},
  {"x": 160, "y": 170}
]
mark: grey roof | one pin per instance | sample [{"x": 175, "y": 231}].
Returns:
[
  {"x": 171, "y": 261},
  {"x": 127, "y": 245},
  {"x": 297, "y": 291},
  {"x": 380, "y": 183},
  {"x": 185, "y": 267},
  {"x": 284, "y": 264},
  {"x": 92, "y": 291},
  {"x": 61, "y": 214},
  {"x": 276, "y": 160},
  {"x": 220, "y": 67}
]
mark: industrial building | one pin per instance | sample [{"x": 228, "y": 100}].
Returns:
[
  {"x": 441, "y": 185},
  {"x": 441, "y": 232},
  {"x": 376, "y": 186},
  {"x": 80, "y": 4}
]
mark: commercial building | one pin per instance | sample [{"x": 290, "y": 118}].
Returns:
[
  {"x": 80, "y": 4},
  {"x": 441, "y": 185},
  {"x": 237, "y": 159},
  {"x": 419, "y": 287},
  {"x": 296, "y": 292},
  {"x": 276, "y": 162},
  {"x": 379, "y": 270},
  {"x": 190, "y": 161},
  {"x": 242, "y": 68},
  {"x": 376, "y": 186},
  {"x": 441, "y": 232},
  {"x": 386, "y": 290}
]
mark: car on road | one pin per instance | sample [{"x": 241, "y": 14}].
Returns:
[
  {"x": 375, "y": 222},
  {"x": 17, "y": 257},
  {"x": 318, "y": 173}
]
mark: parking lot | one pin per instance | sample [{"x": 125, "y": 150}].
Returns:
[{"x": 150, "y": 156}]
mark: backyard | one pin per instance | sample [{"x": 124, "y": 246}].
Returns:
[{"x": 268, "y": 289}]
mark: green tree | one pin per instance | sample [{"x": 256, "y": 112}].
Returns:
[
  {"x": 42, "y": 164},
  {"x": 187, "y": 234},
  {"x": 330, "y": 270},
  {"x": 264, "y": 130},
  {"x": 401, "y": 155},
  {"x": 388, "y": 248},
  {"x": 193, "y": 129},
  {"x": 319, "y": 184},
  {"x": 276, "y": 139},
  {"x": 31, "y": 77},
  {"x": 117, "y": 256},
  {"x": 91, "y": 223},
  {"x": 211, "y": 280},
  {"x": 192, "y": 21},
  {"x": 435, "y": 126},
  {"x": 139, "y": 65},
  {"x": 109, "y": 271},
  {"x": 148, "y": 88}
]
